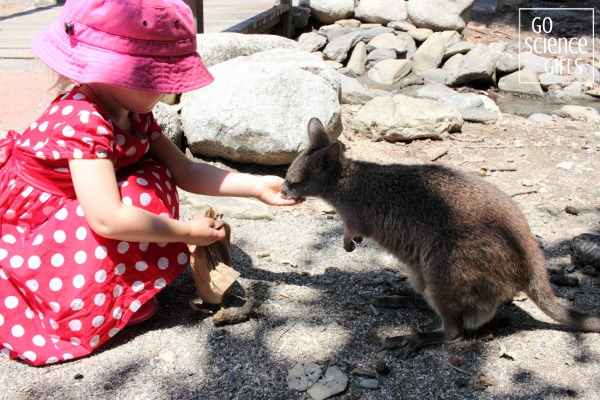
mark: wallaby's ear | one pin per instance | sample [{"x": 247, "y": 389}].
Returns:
[
  {"x": 330, "y": 156},
  {"x": 317, "y": 136}
]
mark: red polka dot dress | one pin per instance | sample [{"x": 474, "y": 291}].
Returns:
[{"x": 63, "y": 289}]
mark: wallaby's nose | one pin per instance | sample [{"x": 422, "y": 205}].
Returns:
[{"x": 286, "y": 191}]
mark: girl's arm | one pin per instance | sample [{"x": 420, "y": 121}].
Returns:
[
  {"x": 201, "y": 178},
  {"x": 96, "y": 188}
]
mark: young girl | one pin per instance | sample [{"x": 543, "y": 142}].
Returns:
[{"x": 88, "y": 193}]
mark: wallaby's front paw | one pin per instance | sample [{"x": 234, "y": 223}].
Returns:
[
  {"x": 349, "y": 245},
  {"x": 357, "y": 239},
  {"x": 406, "y": 345}
]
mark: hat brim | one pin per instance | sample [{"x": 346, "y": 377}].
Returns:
[{"x": 83, "y": 63}]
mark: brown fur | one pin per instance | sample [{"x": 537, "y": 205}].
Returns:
[{"x": 466, "y": 244}]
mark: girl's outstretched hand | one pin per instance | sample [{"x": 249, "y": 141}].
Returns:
[{"x": 269, "y": 191}]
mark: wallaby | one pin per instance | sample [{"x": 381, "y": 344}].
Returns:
[{"x": 466, "y": 244}]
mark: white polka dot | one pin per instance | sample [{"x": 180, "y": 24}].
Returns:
[
  {"x": 30, "y": 355},
  {"x": 167, "y": 184},
  {"x": 44, "y": 197},
  {"x": 17, "y": 331},
  {"x": 80, "y": 96},
  {"x": 57, "y": 260},
  {"x": 160, "y": 283},
  {"x": 99, "y": 299},
  {"x": 79, "y": 211},
  {"x": 81, "y": 233},
  {"x": 84, "y": 116},
  {"x": 120, "y": 269},
  {"x": 16, "y": 261},
  {"x": 117, "y": 313},
  {"x": 67, "y": 110},
  {"x": 75, "y": 341},
  {"x": 55, "y": 284},
  {"x": 80, "y": 257},
  {"x": 38, "y": 240},
  {"x": 43, "y": 126},
  {"x": 113, "y": 332},
  {"x": 3, "y": 254},
  {"x": 3, "y": 274},
  {"x": 77, "y": 154},
  {"x": 94, "y": 341},
  {"x": 137, "y": 286},
  {"x": 182, "y": 258},
  {"x": 101, "y": 130},
  {"x": 54, "y": 306},
  {"x": 75, "y": 325},
  {"x": 100, "y": 252},
  {"x": 60, "y": 236},
  {"x": 10, "y": 239},
  {"x": 123, "y": 247},
  {"x": 119, "y": 139},
  {"x": 141, "y": 266},
  {"x": 39, "y": 340},
  {"x": 62, "y": 214},
  {"x": 118, "y": 290},
  {"x": 28, "y": 313},
  {"x": 67, "y": 356},
  {"x": 127, "y": 200},
  {"x": 163, "y": 263},
  {"x": 130, "y": 151},
  {"x": 53, "y": 110},
  {"x": 1, "y": 319},
  {"x": 77, "y": 304},
  {"x": 97, "y": 321},
  {"x": 135, "y": 305},
  {"x": 144, "y": 246},
  {"x": 11, "y": 302},
  {"x": 32, "y": 284},
  {"x": 34, "y": 262},
  {"x": 78, "y": 281},
  {"x": 145, "y": 199},
  {"x": 100, "y": 276}
]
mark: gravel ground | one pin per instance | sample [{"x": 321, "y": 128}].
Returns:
[{"x": 313, "y": 297}]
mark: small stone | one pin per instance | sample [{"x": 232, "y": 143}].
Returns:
[
  {"x": 368, "y": 383},
  {"x": 566, "y": 165},
  {"x": 264, "y": 254},
  {"x": 588, "y": 270},
  {"x": 572, "y": 210},
  {"x": 303, "y": 375},
  {"x": 334, "y": 382},
  {"x": 585, "y": 250},
  {"x": 561, "y": 280}
]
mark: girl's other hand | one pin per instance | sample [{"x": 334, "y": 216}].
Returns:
[
  {"x": 203, "y": 233},
  {"x": 269, "y": 191}
]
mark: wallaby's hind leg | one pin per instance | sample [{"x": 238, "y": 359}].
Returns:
[
  {"x": 451, "y": 331},
  {"x": 414, "y": 301}
]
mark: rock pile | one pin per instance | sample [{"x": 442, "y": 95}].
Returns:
[{"x": 405, "y": 64}]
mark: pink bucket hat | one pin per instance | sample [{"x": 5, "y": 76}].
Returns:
[{"x": 146, "y": 45}]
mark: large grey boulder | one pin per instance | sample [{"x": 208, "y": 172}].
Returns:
[
  {"x": 215, "y": 48},
  {"x": 477, "y": 65},
  {"x": 170, "y": 122},
  {"x": 329, "y": 11},
  {"x": 258, "y": 107},
  {"x": 407, "y": 118},
  {"x": 440, "y": 15},
  {"x": 381, "y": 11},
  {"x": 524, "y": 81},
  {"x": 474, "y": 107}
]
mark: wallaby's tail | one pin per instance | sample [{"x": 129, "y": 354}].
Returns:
[{"x": 540, "y": 291}]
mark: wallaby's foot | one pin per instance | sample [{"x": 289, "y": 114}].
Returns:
[
  {"x": 350, "y": 244},
  {"x": 409, "y": 344},
  {"x": 414, "y": 301}
]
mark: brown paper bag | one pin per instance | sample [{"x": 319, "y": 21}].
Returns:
[{"x": 213, "y": 276}]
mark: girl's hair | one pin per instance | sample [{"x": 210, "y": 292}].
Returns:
[{"x": 62, "y": 84}]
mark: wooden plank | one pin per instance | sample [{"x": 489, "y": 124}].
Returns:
[{"x": 244, "y": 16}]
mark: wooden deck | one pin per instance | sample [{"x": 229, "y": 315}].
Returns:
[{"x": 244, "y": 16}]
